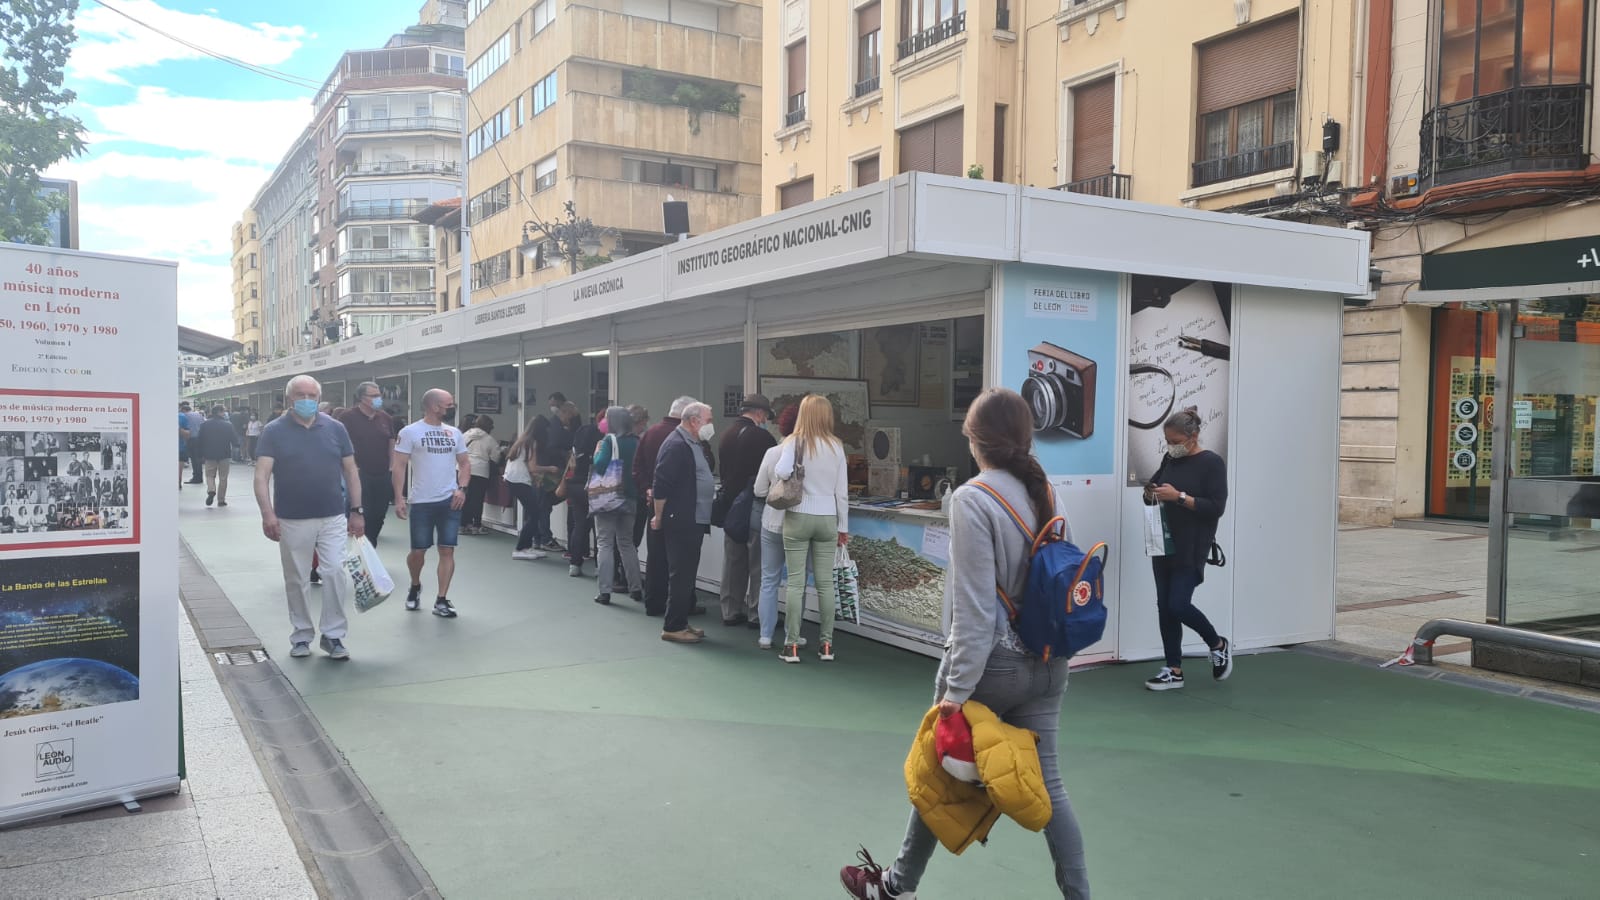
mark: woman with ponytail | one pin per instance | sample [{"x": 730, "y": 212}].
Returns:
[{"x": 984, "y": 660}]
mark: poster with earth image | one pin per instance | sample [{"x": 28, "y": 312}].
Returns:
[{"x": 69, "y": 633}]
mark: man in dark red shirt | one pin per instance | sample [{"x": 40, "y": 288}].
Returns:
[
  {"x": 644, "y": 474},
  {"x": 372, "y": 432}
]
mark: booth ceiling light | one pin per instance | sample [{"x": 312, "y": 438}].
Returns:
[
  {"x": 597, "y": 353},
  {"x": 538, "y": 362}
]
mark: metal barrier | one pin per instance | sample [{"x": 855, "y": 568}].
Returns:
[{"x": 1422, "y": 644}]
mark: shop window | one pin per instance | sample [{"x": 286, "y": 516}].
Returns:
[
  {"x": 544, "y": 173},
  {"x": 867, "y": 171},
  {"x": 869, "y": 52},
  {"x": 792, "y": 195},
  {"x": 933, "y": 146},
  {"x": 794, "y": 109},
  {"x": 1246, "y": 102},
  {"x": 1463, "y": 394}
]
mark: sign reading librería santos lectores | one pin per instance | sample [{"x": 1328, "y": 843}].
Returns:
[{"x": 88, "y": 531}]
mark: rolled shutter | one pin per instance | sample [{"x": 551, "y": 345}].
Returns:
[
  {"x": 916, "y": 148},
  {"x": 869, "y": 19},
  {"x": 947, "y": 144},
  {"x": 866, "y": 172},
  {"x": 792, "y": 195},
  {"x": 1094, "y": 108},
  {"x": 797, "y": 69},
  {"x": 1248, "y": 65}
]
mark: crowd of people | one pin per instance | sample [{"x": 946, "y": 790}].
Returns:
[{"x": 321, "y": 477}]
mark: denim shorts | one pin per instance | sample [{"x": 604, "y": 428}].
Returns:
[{"x": 428, "y": 519}]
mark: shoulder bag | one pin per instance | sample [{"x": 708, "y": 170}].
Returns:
[{"x": 786, "y": 493}]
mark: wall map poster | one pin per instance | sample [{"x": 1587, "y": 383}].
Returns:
[{"x": 88, "y": 532}]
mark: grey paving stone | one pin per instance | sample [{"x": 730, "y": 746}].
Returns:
[
  {"x": 251, "y": 854},
  {"x": 66, "y": 839},
  {"x": 109, "y": 873},
  {"x": 193, "y": 890},
  {"x": 220, "y": 764}
]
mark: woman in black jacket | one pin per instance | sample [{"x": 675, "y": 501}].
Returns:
[{"x": 1192, "y": 487}]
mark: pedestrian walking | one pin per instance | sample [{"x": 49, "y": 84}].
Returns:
[
  {"x": 193, "y": 419},
  {"x": 818, "y": 525},
  {"x": 523, "y": 476},
  {"x": 744, "y": 444},
  {"x": 238, "y": 419},
  {"x": 585, "y": 437},
  {"x": 683, "y": 492},
  {"x": 483, "y": 451},
  {"x": 372, "y": 431},
  {"x": 984, "y": 659},
  {"x": 436, "y": 454},
  {"x": 216, "y": 444},
  {"x": 302, "y": 459},
  {"x": 252, "y": 435},
  {"x": 1192, "y": 487},
  {"x": 618, "y": 553},
  {"x": 656, "y": 582}
]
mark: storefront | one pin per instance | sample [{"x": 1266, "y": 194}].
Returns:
[{"x": 900, "y": 302}]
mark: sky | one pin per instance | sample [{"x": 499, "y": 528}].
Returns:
[{"x": 179, "y": 143}]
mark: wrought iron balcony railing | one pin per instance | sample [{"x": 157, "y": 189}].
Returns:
[
  {"x": 796, "y": 115},
  {"x": 1112, "y": 184},
  {"x": 931, "y": 36},
  {"x": 1241, "y": 165},
  {"x": 1002, "y": 19},
  {"x": 867, "y": 85},
  {"x": 1532, "y": 128}
]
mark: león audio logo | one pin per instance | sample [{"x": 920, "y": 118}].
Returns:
[{"x": 53, "y": 759}]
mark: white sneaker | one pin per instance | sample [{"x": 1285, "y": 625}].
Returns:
[
  {"x": 527, "y": 554},
  {"x": 764, "y": 643}
]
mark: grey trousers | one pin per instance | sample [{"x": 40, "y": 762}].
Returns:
[
  {"x": 614, "y": 535},
  {"x": 741, "y": 572},
  {"x": 1024, "y": 691}
]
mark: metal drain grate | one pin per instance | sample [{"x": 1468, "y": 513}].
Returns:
[{"x": 240, "y": 657}]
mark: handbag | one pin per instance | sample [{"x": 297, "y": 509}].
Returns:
[
  {"x": 846, "y": 587},
  {"x": 786, "y": 493},
  {"x": 607, "y": 490},
  {"x": 736, "y": 521},
  {"x": 567, "y": 475}
]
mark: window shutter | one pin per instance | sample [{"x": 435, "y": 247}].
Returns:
[
  {"x": 947, "y": 145},
  {"x": 866, "y": 172},
  {"x": 797, "y": 69},
  {"x": 916, "y": 148},
  {"x": 1094, "y": 109},
  {"x": 1249, "y": 65},
  {"x": 792, "y": 195},
  {"x": 869, "y": 19}
]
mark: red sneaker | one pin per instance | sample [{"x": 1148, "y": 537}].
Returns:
[{"x": 869, "y": 881}]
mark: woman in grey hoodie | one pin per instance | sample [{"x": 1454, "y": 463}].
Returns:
[{"x": 984, "y": 660}]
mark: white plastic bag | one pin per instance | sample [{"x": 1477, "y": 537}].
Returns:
[
  {"x": 371, "y": 582},
  {"x": 846, "y": 587},
  {"x": 1157, "y": 538}
]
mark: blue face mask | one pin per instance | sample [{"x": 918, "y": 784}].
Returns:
[
  {"x": 305, "y": 409},
  {"x": 377, "y": 403}
]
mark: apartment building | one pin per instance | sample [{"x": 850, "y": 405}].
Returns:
[
  {"x": 247, "y": 288},
  {"x": 614, "y": 106}
]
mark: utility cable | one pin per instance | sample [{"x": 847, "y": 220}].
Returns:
[{"x": 284, "y": 77}]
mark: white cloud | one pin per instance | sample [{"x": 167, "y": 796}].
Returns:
[
  {"x": 109, "y": 43},
  {"x": 259, "y": 130}
]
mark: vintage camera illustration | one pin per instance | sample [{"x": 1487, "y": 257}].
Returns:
[{"x": 1060, "y": 391}]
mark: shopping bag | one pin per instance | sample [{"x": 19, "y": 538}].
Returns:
[
  {"x": 607, "y": 492},
  {"x": 846, "y": 587},
  {"x": 1157, "y": 537},
  {"x": 370, "y": 581}
]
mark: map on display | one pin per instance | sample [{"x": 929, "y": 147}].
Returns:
[
  {"x": 827, "y": 355},
  {"x": 849, "y": 398}
]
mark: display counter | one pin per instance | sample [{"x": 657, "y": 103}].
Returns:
[{"x": 901, "y": 553}]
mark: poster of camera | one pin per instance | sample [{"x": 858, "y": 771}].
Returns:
[
  {"x": 69, "y": 633},
  {"x": 66, "y": 470},
  {"x": 1059, "y": 349},
  {"x": 1179, "y": 349}
]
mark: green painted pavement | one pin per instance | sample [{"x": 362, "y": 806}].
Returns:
[{"x": 542, "y": 746}]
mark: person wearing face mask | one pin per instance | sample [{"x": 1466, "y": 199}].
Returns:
[
  {"x": 435, "y": 453},
  {"x": 1192, "y": 487},
  {"x": 252, "y": 434},
  {"x": 304, "y": 510},
  {"x": 682, "y": 494},
  {"x": 372, "y": 431}
]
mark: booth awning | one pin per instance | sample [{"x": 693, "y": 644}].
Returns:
[{"x": 202, "y": 344}]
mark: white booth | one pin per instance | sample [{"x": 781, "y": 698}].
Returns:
[{"x": 900, "y": 302}]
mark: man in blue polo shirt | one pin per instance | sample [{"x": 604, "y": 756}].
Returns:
[{"x": 305, "y": 511}]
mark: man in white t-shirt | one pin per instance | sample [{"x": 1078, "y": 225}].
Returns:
[{"x": 437, "y": 456}]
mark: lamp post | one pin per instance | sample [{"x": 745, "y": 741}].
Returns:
[{"x": 575, "y": 238}]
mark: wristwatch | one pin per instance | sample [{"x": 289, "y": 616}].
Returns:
[
  {"x": 1182, "y": 497},
  {"x": 357, "y": 510}
]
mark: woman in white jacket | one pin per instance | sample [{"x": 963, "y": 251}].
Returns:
[
  {"x": 819, "y": 524},
  {"x": 483, "y": 451}
]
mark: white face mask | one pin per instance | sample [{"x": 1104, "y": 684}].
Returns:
[
  {"x": 706, "y": 431},
  {"x": 1177, "y": 451}
]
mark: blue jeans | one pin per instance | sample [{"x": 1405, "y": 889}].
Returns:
[
  {"x": 1024, "y": 691},
  {"x": 1175, "y": 584},
  {"x": 429, "y": 519}
]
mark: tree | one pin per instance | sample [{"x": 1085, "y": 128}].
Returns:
[{"x": 36, "y": 36}]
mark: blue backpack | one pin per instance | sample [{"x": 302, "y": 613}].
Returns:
[{"x": 1063, "y": 601}]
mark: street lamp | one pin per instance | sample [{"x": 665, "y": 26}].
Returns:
[{"x": 574, "y": 238}]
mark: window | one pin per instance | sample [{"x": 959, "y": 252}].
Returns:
[
  {"x": 692, "y": 13},
  {"x": 933, "y": 146},
  {"x": 496, "y": 127},
  {"x": 491, "y": 271},
  {"x": 474, "y": 7},
  {"x": 796, "y": 193},
  {"x": 669, "y": 173},
  {"x": 489, "y": 61},
  {"x": 544, "y": 12},
  {"x": 544, "y": 173},
  {"x": 491, "y": 201},
  {"x": 544, "y": 93},
  {"x": 1479, "y": 46},
  {"x": 866, "y": 171},
  {"x": 924, "y": 23},
  {"x": 794, "y": 111},
  {"x": 1246, "y": 102},
  {"x": 520, "y": 118},
  {"x": 999, "y": 143},
  {"x": 253, "y": 261},
  {"x": 252, "y": 232},
  {"x": 1094, "y": 108},
  {"x": 253, "y": 294},
  {"x": 868, "y": 54}
]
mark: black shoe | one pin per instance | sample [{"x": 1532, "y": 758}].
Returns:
[
  {"x": 414, "y": 598},
  {"x": 316, "y": 578},
  {"x": 734, "y": 622},
  {"x": 603, "y": 599},
  {"x": 1222, "y": 661},
  {"x": 637, "y": 596},
  {"x": 752, "y": 624},
  {"x": 211, "y": 497},
  {"x": 1165, "y": 680},
  {"x": 195, "y": 481},
  {"x": 443, "y": 609}
]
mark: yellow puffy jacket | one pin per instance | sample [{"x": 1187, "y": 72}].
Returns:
[{"x": 1007, "y": 757}]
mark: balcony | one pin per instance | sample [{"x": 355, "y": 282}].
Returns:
[
  {"x": 400, "y": 123},
  {"x": 1002, "y": 19},
  {"x": 635, "y": 206},
  {"x": 1243, "y": 165},
  {"x": 401, "y": 167},
  {"x": 385, "y": 300},
  {"x": 609, "y": 121},
  {"x": 314, "y": 277},
  {"x": 1526, "y": 129},
  {"x": 1112, "y": 184},
  {"x": 929, "y": 37},
  {"x": 381, "y": 209},
  {"x": 640, "y": 43},
  {"x": 797, "y": 112},
  {"x": 386, "y": 255},
  {"x": 867, "y": 86}
]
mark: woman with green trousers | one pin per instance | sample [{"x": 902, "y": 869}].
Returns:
[{"x": 819, "y": 524}]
